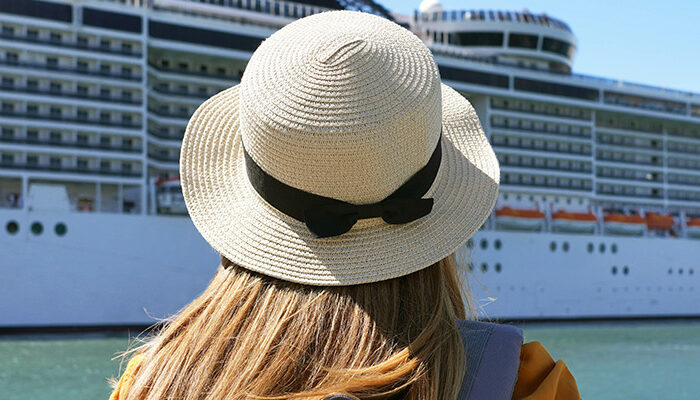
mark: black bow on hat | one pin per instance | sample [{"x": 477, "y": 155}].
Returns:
[{"x": 326, "y": 217}]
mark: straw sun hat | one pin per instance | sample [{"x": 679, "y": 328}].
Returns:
[{"x": 340, "y": 158}]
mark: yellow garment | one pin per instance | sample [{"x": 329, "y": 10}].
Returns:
[
  {"x": 127, "y": 378},
  {"x": 539, "y": 377}
]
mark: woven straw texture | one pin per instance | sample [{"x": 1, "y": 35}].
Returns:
[{"x": 345, "y": 105}]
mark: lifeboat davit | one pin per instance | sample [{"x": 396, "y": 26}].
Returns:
[
  {"x": 623, "y": 224},
  {"x": 565, "y": 221},
  {"x": 692, "y": 227},
  {"x": 520, "y": 219},
  {"x": 657, "y": 221}
]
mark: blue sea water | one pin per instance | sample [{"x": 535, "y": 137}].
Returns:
[{"x": 611, "y": 361}]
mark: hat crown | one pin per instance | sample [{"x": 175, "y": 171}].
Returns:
[{"x": 341, "y": 104}]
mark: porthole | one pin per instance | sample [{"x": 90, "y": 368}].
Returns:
[
  {"x": 484, "y": 267},
  {"x": 497, "y": 244},
  {"x": 590, "y": 247},
  {"x": 601, "y": 248},
  {"x": 613, "y": 248},
  {"x": 484, "y": 243},
  {"x": 60, "y": 229},
  {"x": 12, "y": 227},
  {"x": 614, "y": 270},
  {"x": 497, "y": 267},
  {"x": 626, "y": 270},
  {"x": 670, "y": 271},
  {"x": 680, "y": 271},
  {"x": 565, "y": 246},
  {"x": 690, "y": 272},
  {"x": 470, "y": 244},
  {"x": 553, "y": 246},
  {"x": 37, "y": 228}
]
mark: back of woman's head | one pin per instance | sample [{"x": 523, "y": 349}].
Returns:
[
  {"x": 337, "y": 178},
  {"x": 252, "y": 336}
]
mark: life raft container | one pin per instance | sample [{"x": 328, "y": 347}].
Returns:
[{"x": 519, "y": 219}]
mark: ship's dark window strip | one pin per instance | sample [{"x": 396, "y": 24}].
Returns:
[
  {"x": 522, "y": 41},
  {"x": 203, "y": 36},
  {"x": 557, "y": 47},
  {"x": 475, "y": 77},
  {"x": 38, "y": 9},
  {"x": 111, "y": 20},
  {"x": 556, "y": 89},
  {"x": 479, "y": 38}
]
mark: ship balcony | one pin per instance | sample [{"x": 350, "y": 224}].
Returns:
[
  {"x": 89, "y": 98},
  {"x": 638, "y": 149},
  {"x": 651, "y": 177},
  {"x": 164, "y": 165},
  {"x": 638, "y": 182},
  {"x": 165, "y": 143},
  {"x": 546, "y": 180},
  {"x": 53, "y": 43},
  {"x": 552, "y": 171},
  {"x": 522, "y": 108},
  {"x": 59, "y": 169},
  {"x": 186, "y": 75},
  {"x": 167, "y": 135},
  {"x": 61, "y": 71},
  {"x": 552, "y": 165},
  {"x": 575, "y": 132},
  {"x": 169, "y": 95},
  {"x": 622, "y": 159},
  {"x": 32, "y": 118},
  {"x": 65, "y": 144},
  {"x": 173, "y": 117},
  {"x": 539, "y": 149},
  {"x": 568, "y": 125}
]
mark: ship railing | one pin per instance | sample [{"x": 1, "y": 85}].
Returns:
[
  {"x": 166, "y": 135},
  {"x": 229, "y": 77},
  {"x": 67, "y": 94},
  {"x": 132, "y": 173},
  {"x": 169, "y": 114},
  {"x": 72, "y": 45},
  {"x": 619, "y": 84},
  {"x": 164, "y": 158},
  {"x": 277, "y": 8},
  {"x": 183, "y": 93},
  {"x": 73, "y": 70},
  {"x": 71, "y": 144},
  {"x": 91, "y": 121},
  {"x": 491, "y": 15}
]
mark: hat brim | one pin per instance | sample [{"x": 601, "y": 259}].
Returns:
[{"x": 240, "y": 225}]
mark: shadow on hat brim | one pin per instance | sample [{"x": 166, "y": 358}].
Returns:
[{"x": 241, "y": 226}]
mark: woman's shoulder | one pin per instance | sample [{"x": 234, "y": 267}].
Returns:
[{"x": 497, "y": 358}]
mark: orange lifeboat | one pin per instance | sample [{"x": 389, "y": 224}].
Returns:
[
  {"x": 623, "y": 224},
  {"x": 519, "y": 218},
  {"x": 692, "y": 227},
  {"x": 565, "y": 221},
  {"x": 659, "y": 222}
]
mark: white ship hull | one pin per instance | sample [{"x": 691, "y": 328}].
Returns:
[{"x": 134, "y": 270}]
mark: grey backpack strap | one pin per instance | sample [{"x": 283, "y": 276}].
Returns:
[
  {"x": 339, "y": 397},
  {"x": 493, "y": 358}
]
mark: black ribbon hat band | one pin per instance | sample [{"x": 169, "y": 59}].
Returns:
[{"x": 326, "y": 217}]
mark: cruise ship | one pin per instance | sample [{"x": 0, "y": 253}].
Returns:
[{"x": 598, "y": 214}]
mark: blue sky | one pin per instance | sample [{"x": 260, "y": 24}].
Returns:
[{"x": 644, "y": 41}]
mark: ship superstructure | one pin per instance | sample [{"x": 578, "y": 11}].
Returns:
[{"x": 599, "y": 175}]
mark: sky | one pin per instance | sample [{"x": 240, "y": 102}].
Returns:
[{"x": 643, "y": 41}]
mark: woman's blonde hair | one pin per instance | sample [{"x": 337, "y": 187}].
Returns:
[{"x": 252, "y": 336}]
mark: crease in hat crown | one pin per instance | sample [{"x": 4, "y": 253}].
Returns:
[{"x": 342, "y": 104}]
